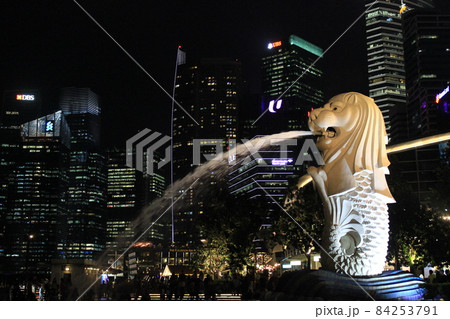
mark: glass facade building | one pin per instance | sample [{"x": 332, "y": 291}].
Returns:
[
  {"x": 268, "y": 173},
  {"x": 385, "y": 55},
  {"x": 210, "y": 91},
  {"x": 79, "y": 101},
  {"x": 128, "y": 192},
  {"x": 427, "y": 65},
  {"x": 37, "y": 198},
  {"x": 292, "y": 84},
  {"x": 87, "y": 175},
  {"x": 10, "y": 141}
]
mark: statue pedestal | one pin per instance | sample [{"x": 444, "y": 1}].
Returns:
[{"x": 326, "y": 285}]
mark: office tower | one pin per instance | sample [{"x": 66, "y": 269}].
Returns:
[
  {"x": 36, "y": 212},
  {"x": 154, "y": 184},
  {"x": 385, "y": 55},
  {"x": 270, "y": 172},
  {"x": 87, "y": 175},
  {"x": 292, "y": 84},
  {"x": 10, "y": 140},
  {"x": 125, "y": 198},
  {"x": 427, "y": 65},
  {"x": 18, "y": 107},
  {"x": 209, "y": 90},
  {"x": 128, "y": 192}
]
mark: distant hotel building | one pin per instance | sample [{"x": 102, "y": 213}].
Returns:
[
  {"x": 291, "y": 72},
  {"x": 385, "y": 53}
]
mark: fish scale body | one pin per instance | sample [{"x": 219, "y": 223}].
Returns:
[{"x": 362, "y": 217}]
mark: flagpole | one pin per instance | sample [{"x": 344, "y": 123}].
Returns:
[{"x": 171, "y": 144}]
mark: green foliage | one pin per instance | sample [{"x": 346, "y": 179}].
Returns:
[
  {"x": 228, "y": 225},
  {"x": 418, "y": 233},
  {"x": 213, "y": 259},
  {"x": 307, "y": 210}
]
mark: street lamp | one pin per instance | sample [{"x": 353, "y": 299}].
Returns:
[{"x": 29, "y": 237}]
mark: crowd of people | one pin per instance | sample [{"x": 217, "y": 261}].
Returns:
[
  {"x": 436, "y": 276},
  {"x": 37, "y": 289},
  {"x": 197, "y": 286},
  {"x": 190, "y": 287}
]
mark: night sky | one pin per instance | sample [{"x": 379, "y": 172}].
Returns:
[{"x": 47, "y": 45}]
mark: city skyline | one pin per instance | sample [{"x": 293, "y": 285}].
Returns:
[
  {"x": 87, "y": 88},
  {"x": 79, "y": 54}
]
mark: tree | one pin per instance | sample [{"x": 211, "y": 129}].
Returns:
[
  {"x": 213, "y": 258},
  {"x": 228, "y": 226},
  {"x": 418, "y": 233},
  {"x": 307, "y": 210}
]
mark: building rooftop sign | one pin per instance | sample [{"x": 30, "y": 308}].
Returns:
[
  {"x": 274, "y": 45},
  {"x": 25, "y": 97}
]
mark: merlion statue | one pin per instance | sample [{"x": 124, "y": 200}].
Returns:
[{"x": 352, "y": 184}]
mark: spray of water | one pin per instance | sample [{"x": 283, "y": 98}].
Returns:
[{"x": 219, "y": 167}]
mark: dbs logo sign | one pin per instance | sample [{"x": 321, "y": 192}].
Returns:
[
  {"x": 25, "y": 97},
  {"x": 274, "y": 45}
]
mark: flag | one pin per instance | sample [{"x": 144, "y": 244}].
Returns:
[{"x": 181, "y": 57}]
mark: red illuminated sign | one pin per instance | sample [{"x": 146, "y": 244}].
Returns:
[{"x": 274, "y": 44}]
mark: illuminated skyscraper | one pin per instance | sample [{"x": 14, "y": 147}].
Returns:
[
  {"x": 87, "y": 175},
  {"x": 125, "y": 197},
  {"x": 268, "y": 173},
  {"x": 36, "y": 210},
  {"x": 210, "y": 92},
  {"x": 427, "y": 112},
  {"x": 427, "y": 61},
  {"x": 129, "y": 190},
  {"x": 10, "y": 141},
  {"x": 18, "y": 107},
  {"x": 292, "y": 84},
  {"x": 385, "y": 53}
]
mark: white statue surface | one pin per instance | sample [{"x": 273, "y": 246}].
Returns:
[{"x": 352, "y": 184}]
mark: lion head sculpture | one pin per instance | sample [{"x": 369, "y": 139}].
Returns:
[{"x": 352, "y": 138}]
